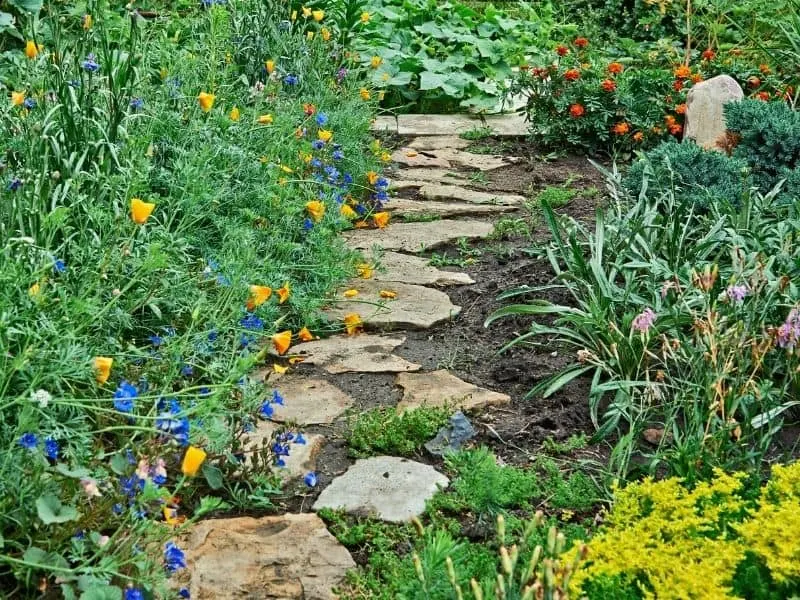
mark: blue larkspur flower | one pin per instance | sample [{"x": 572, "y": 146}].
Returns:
[
  {"x": 124, "y": 396},
  {"x": 279, "y": 462},
  {"x": 51, "y": 448},
  {"x": 308, "y": 224},
  {"x": 382, "y": 183},
  {"x": 136, "y": 103},
  {"x": 59, "y": 266},
  {"x": 310, "y": 479},
  {"x": 317, "y": 144},
  {"x": 337, "y": 155},
  {"x": 133, "y": 594},
  {"x": 29, "y": 441},
  {"x": 347, "y": 179},
  {"x": 178, "y": 427},
  {"x": 204, "y": 391},
  {"x": 252, "y": 322},
  {"x": 156, "y": 340},
  {"x": 291, "y": 79},
  {"x": 321, "y": 119},
  {"x": 90, "y": 64},
  {"x": 14, "y": 184},
  {"x": 212, "y": 335},
  {"x": 174, "y": 558},
  {"x": 245, "y": 340},
  {"x": 159, "y": 479},
  {"x": 361, "y": 209},
  {"x": 131, "y": 486},
  {"x": 280, "y": 449},
  {"x": 316, "y": 163},
  {"x": 184, "y": 593},
  {"x": 187, "y": 370},
  {"x": 299, "y": 439},
  {"x": 130, "y": 457},
  {"x": 277, "y": 398},
  {"x": 117, "y": 509},
  {"x": 266, "y": 410},
  {"x": 382, "y": 196},
  {"x": 29, "y": 103}
]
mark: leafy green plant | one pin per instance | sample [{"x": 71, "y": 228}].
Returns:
[{"x": 385, "y": 431}]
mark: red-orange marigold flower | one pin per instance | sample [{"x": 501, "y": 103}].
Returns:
[
  {"x": 682, "y": 72},
  {"x": 676, "y": 129},
  {"x": 753, "y": 81},
  {"x": 572, "y": 75},
  {"x": 709, "y": 54},
  {"x": 764, "y": 69},
  {"x": 763, "y": 95},
  {"x": 615, "y": 68},
  {"x": 681, "y": 109},
  {"x": 677, "y": 85},
  {"x": 562, "y": 50},
  {"x": 581, "y": 42},
  {"x": 697, "y": 78},
  {"x": 609, "y": 85},
  {"x": 669, "y": 120},
  {"x": 638, "y": 136},
  {"x": 576, "y": 111},
  {"x": 621, "y": 128}
]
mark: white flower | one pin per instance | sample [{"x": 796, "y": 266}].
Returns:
[{"x": 43, "y": 397}]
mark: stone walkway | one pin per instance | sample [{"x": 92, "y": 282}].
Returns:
[{"x": 293, "y": 555}]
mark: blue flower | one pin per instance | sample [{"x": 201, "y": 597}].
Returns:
[
  {"x": 382, "y": 196},
  {"x": 252, "y": 323},
  {"x": 276, "y": 397},
  {"x": 310, "y": 479},
  {"x": 382, "y": 183},
  {"x": 279, "y": 462},
  {"x": 280, "y": 449},
  {"x": 133, "y": 594},
  {"x": 184, "y": 593},
  {"x": 266, "y": 410},
  {"x": 361, "y": 209},
  {"x": 308, "y": 224},
  {"x": 174, "y": 558},
  {"x": 130, "y": 486},
  {"x": 187, "y": 370},
  {"x": 29, "y": 441},
  {"x": 59, "y": 266},
  {"x": 129, "y": 455},
  {"x": 204, "y": 391},
  {"x": 317, "y": 144},
  {"x": 321, "y": 119},
  {"x": 136, "y": 103},
  {"x": 291, "y": 79},
  {"x": 159, "y": 479},
  {"x": 117, "y": 509},
  {"x": 299, "y": 439},
  {"x": 90, "y": 64},
  {"x": 337, "y": 155},
  {"x": 347, "y": 179},
  {"x": 14, "y": 184},
  {"x": 51, "y": 448},
  {"x": 245, "y": 340},
  {"x": 169, "y": 423},
  {"x": 212, "y": 335},
  {"x": 156, "y": 340},
  {"x": 123, "y": 397},
  {"x": 316, "y": 163},
  {"x": 30, "y": 103}
]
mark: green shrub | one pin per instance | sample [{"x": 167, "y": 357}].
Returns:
[{"x": 385, "y": 431}]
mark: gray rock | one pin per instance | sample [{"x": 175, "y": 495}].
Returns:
[
  {"x": 705, "y": 122},
  {"x": 391, "y": 488},
  {"x": 512, "y": 125},
  {"x": 309, "y": 401},
  {"x": 302, "y": 457},
  {"x": 413, "y": 158},
  {"x": 438, "y": 142},
  {"x": 452, "y": 436},
  {"x": 453, "y": 192},
  {"x": 414, "y": 307},
  {"x": 415, "y": 270},
  {"x": 385, "y": 124},
  {"x": 417, "y": 237},
  {"x": 363, "y": 353},
  {"x": 288, "y": 557},
  {"x": 442, "y": 388},
  {"x": 436, "y": 208},
  {"x": 405, "y": 178},
  {"x": 481, "y": 162}
]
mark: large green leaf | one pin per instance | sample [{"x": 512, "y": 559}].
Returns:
[
  {"x": 7, "y": 25},
  {"x": 428, "y": 80},
  {"x": 102, "y": 592},
  {"x": 51, "y": 510},
  {"x": 27, "y": 6}
]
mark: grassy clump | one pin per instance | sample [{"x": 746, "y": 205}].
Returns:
[{"x": 385, "y": 431}]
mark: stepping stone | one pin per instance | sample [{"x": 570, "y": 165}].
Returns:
[
  {"x": 385, "y": 123},
  {"x": 413, "y": 269},
  {"x": 302, "y": 457},
  {"x": 453, "y": 192},
  {"x": 288, "y": 557},
  {"x": 309, "y": 401},
  {"x": 412, "y": 158},
  {"x": 417, "y": 237},
  {"x": 404, "y": 206},
  {"x": 501, "y": 125},
  {"x": 442, "y": 388},
  {"x": 481, "y": 162},
  {"x": 438, "y": 142},
  {"x": 406, "y": 178},
  {"x": 414, "y": 307},
  {"x": 362, "y": 353},
  {"x": 391, "y": 488}
]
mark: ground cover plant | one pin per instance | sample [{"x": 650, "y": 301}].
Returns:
[{"x": 168, "y": 214}]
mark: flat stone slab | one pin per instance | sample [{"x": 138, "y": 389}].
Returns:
[
  {"x": 413, "y": 307},
  {"x": 387, "y": 124},
  {"x": 413, "y": 158},
  {"x": 434, "y": 208},
  {"x": 442, "y": 388},
  {"x": 392, "y": 489},
  {"x": 511, "y": 125},
  {"x": 309, "y": 401},
  {"x": 302, "y": 457},
  {"x": 417, "y": 237},
  {"x": 364, "y": 353},
  {"x": 287, "y": 557},
  {"x": 406, "y": 268},
  {"x": 433, "y": 191},
  {"x": 406, "y": 178},
  {"x": 438, "y": 142},
  {"x": 481, "y": 162}
]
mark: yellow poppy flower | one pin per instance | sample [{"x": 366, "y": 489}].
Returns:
[
  {"x": 350, "y": 293},
  {"x": 353, "y": 323},
  {"x": 365, "y": 17},
  {"x": 281, "y": 341},
  {"x": 318, "y": 15},
  {"x": 206, "y": 101},
  {"x": 305, "y": 335},
  {"x": 381, "y": 219},
  {"x": 372, "y": 177},
  {"x": 325, "y": 135},
  {"x": 283, "y": 293},
  {"x": 279, "y": 368},
  {"x": 365, "y": 95},
  {"x": 306, "y": 157},
  {"x": 102, "y": 366},
  {"x": 325, "y": 33},
  {"x": 31, "y": 50},
  {"x": 375, "y": 62},
  {"x": 388, "y": 294},
  {"x": 34, "y": 290},
  {"x": 270, "y": 65},
  {"x": 234, "y": 114},
  {"x": 265, "y": 120},
  {"x": 364, "y": 270},
  {"x": 141, "y": 211},
  {"x": 17, "y": 98},
  {"x": 193, "y": 460},
  {"x": 347, "y": 212},
  {"x": 316, "y": 209},
  {"x": 386, "y": 156},
  {"x": 258, "y": 295},
  {"x": 306, "y": 12},
  {"x": 87, "y": 22}
]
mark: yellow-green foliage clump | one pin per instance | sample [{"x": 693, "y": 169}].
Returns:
[{"x": 671, "y": 542}]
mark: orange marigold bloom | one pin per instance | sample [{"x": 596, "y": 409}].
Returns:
[
  {"x": 562, "y": 50},
  {"x": 281, "y": 341},
  {"x": 709, "y": 54},
  {"x": 681, "y": 109},
  {"x": 677, "y": 85},
  {"x": 682, "y": 72},
  {"x": 572, "y": 75},
  {"x": 697, "y": 78},
  {"x": 753, "y": 81},
  {"x": 353, "y": 323},
  {"x": 381, "y": 219},
  {"x": 576, "y": 111},
  {"x": 615, "y": 68},
  {"x": 676, "y": 129},
  {"x": 621, "y": 128},
  {"x": 763, "y": 95},
  {"x": 638, "y": 136},
  {"x": 581, "y": 42},
  {"x": 765, "y": 70},
  {"x": 609, "y": 85},
  {"x": 669, "y": 120}
]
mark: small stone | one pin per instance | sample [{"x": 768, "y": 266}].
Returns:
[
  {"x": 403, "y": 206},
  {"x": 453, "y": 192},
  {"x": 391, "y": 488},
  {"x": 438, "y": 142},
  {"x": 481, "y": 162},
  {"x": 364, "y": 353},
  {"x": 417, "y": 237},
  {"x": 407, "y": 178},
  {"x": 653, "y": 435},
  {"x": 415, "y": 270},
  {"x": 302, "y": 457},
  {"x": 288, "y": 557},
  {"x": 452, "y": 436},
  {"x": 442, "y": 388},
  {"x": 414, "y": 307},
  {"x": 705, "y": 121},
  {"x": 501, "y": 125},
  {"x": 310, "y": 401},
  {"x": 412, "y": 158},
  {"x": 385, "y": 124}
]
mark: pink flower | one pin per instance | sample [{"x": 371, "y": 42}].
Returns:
[
  {"x": 644, "y": 320},
  {"x": 143, "y": 469},
  {"x": 737, "y": 292},
  {"x": 90, "y": 488},
  {"x": 789, "y": 332}
]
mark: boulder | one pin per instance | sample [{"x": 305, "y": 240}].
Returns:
[{"x": 705, "y": 121}]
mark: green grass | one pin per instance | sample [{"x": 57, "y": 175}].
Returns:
[
  {"x": 556, "y": 196},
  {"x": 384, "y": 431}
]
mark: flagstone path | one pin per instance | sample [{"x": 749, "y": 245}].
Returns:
[{"x": 242, "y": 557}]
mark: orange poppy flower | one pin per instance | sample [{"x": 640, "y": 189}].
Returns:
[
  {"x": 281, "y": 341},
  {"x": 258, "y": 295},
  {"x": 141, "y": 211},
  {"x": 381, "y": 219},
  {"x": 193, "y": 460},
  {"x": 305, "y": 335},
  {"x": 234, "y": 114},
  {"x": 347, "y": 212},
  {"x": 206, "y": 101},
  {"x": 350, "y": 293},
  {"x": 325, "y": 135},
  {"x": 316, "y": 209},
  {"x": 364, "y": 270},
  {"x": 102, "y": 366},
  {"x": 283, "y": 293},
  {"x": 270, "y": 66},
  {"x": 372, "y": 177},
  {"x": 388, "y": 294},
  {"x": 353, "y": 323}
]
